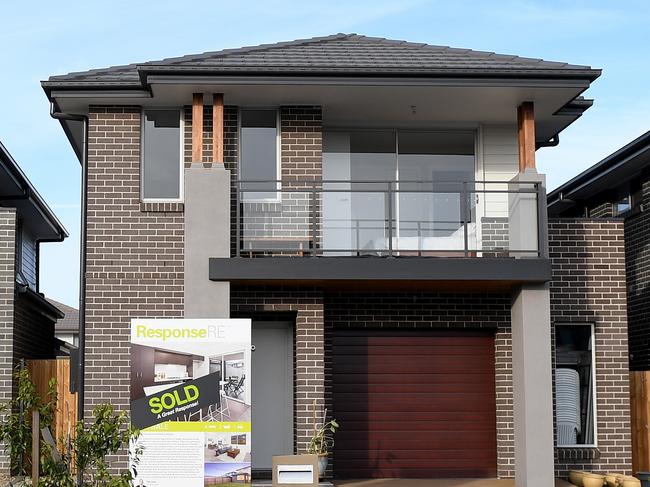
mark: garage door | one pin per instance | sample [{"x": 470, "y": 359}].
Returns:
[{"x": 414, "y": 405}]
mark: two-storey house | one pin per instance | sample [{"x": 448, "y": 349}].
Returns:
[
  {"x": 27, "y": 318},
  {"x": 374, "y": 206}
]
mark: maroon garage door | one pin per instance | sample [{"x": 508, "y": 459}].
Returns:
[{"x": 413, "y": 404}]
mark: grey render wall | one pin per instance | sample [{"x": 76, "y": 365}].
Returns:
[
  {"x": 7, "y": 284},
  {"x": 588, "y": 286}
]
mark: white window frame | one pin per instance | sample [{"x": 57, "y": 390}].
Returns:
[
  {"x": 278, "y": 151},
  {"x": 594, "y": 398},
  {"x": 181, "y": 165}
]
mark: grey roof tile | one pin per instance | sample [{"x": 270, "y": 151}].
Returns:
[{"x": 336, "y": 54}]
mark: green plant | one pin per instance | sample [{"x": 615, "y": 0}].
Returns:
[
  {"x": 323, "y": 440},
  {"x": 16, "y": 427},
  {"x": 87, "y": 452}
]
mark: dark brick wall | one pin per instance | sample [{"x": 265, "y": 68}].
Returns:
[
  {"x": 602, "y": 210},
  {"x": 637, "y": 254},
  {"x": 7, "y": 285},
  {"x": 306, "y": 305},
  {"x": 588, "y": 286},
  {"x": 134, "y": 254}
]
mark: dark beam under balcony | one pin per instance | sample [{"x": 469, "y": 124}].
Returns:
[{"x": 426, "y": 272}]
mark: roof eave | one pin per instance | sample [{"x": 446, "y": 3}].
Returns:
[
  {"x": 59, "y": 231},
  {"x": 145, "y": 71},
  {"x": 613, "y": 161}
]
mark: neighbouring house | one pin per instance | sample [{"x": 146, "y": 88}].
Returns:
[
  {"x": 27, "y": 319},
  {"x": 618, "y": 188},
  {"x": 374, "y": 206},
  {"x": 67, "y": 328}
]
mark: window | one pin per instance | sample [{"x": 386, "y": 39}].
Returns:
[
  {"x": 623, "y": 205},
  {"x": 161, "y": 155},
  {"x": 574, "y": 385},
  {"x": 258, "y": 149}
]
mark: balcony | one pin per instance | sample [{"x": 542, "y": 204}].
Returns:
[
  {"x": 453, "y": 236},
  {"x": 383, "y": 219}
]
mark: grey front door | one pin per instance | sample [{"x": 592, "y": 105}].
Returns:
[{"x": 272, "y": 392}]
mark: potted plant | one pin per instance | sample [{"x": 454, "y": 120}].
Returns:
[{"x": 322, "y": 441}]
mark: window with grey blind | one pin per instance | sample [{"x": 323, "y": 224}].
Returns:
[
  {"x": 161, "y": 155},
  {"x": 258, "y": 146}
]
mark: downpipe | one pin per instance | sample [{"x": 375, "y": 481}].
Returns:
[{"x": 82, "y": 251}]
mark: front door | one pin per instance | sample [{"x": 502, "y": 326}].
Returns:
[{"x": 272, "y": 393}]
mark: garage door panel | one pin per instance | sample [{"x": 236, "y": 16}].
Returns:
[
  {"x": 404, "y": 463},
  {"x": 478, "y": 424},
  {"x": 423, "y": 387},
  {"x": 455, "y": 366},
  {"x": 421, "y": 473},
  {"x": 410, "y": 454},
  {"x": 415, "y": 440},
  {"x": 469, "y": 402},
  {"x": 377, "y": 417},
  {"x": 478, "y": 377},
  {"x": 441, "y": 338},
  {"x": 419, "y": 349},
  {"x": 414, "y": 404}
]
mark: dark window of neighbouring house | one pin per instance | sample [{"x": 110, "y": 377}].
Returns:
[
  {"x": 259, "y": 154},
  {"x": 623, "y": 205},
  {"x": 574, "y": 385},
  {"x": 161, "y": 155}
]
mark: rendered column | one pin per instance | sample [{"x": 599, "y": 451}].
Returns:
[
  {"x": 207, "y": 234},
  {"x": 532, "y": 387}
]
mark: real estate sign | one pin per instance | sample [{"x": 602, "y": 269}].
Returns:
[{"x": 191, "y": 399}]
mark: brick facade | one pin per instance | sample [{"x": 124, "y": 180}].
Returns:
[
  {"x": 306, "y": 305},
  {"x": 589, "y": 287},
  {"x": 134, "y": 257},
  {"x": 135, "y": 269},
  {"x": 7, "y": 284},
  {"x": 637, "y": 255}
]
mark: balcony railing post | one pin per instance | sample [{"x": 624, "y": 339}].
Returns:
[
  {"x": 238, "y": 237},
  {"x": 313, "y": 219},
  {"x": 358, "y": 236},
  {"x": 465, "y": 216},
  {"x": 389, "y": 195}
]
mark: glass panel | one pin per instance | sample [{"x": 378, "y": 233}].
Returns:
[
  {"x": 365, "y": 161},
  {"x": 161, "y": 154},
  {"x": 259, "y": 154},
  {"x": 431, "y": 208},
  {"x": 574, "y": 388}
]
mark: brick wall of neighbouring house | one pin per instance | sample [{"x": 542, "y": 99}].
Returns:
[
  {"x": 602, "y": 210},
  {"x": 7, "y": 283},
  {"x": 134, "y": 254},
  {"x": 307, "y": 305},
  {"x": 589, "y": 287},
  {"x": 637, "y": 255},
  {"x": 437, "y": 310}
]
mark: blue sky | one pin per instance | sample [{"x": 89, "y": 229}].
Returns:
[{"x": 38, "y": 40}]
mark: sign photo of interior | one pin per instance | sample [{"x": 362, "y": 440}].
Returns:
[{"x": 190, "y": 387}]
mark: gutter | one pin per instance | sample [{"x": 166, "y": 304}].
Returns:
[
  {"x": 82, "y": 257},
  {"x": 43, "y": 305}
]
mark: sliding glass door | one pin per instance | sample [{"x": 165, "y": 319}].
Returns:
[
  {"x": 424, "y": 171},
  {"x": 435, "y": 179}
]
